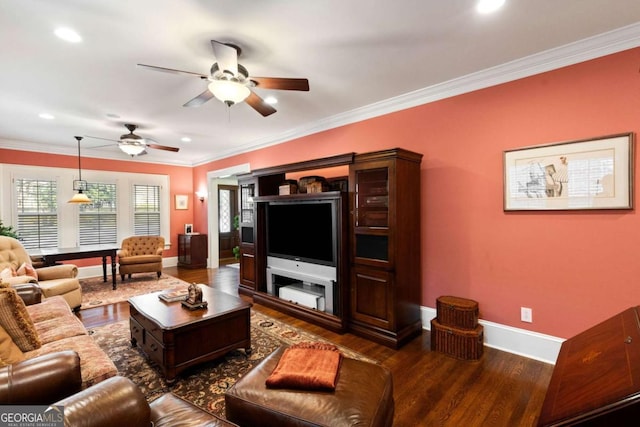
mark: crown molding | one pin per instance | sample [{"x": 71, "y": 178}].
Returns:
[{"x": 583, "y": 50}]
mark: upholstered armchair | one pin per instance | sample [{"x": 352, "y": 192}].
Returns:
[
  {"x": 16, "y": 268},
  {"x": 140, "y": 254}
]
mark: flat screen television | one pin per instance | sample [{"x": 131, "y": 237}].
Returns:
[{"x": 303, "y": 231}]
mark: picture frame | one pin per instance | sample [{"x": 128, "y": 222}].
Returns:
[
  {"x": 594, "y": 173},
  {"x": 182, "y": 201},
  {"x": 188, "y": 229}
]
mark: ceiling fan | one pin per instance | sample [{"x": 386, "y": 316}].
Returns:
[
  {"x": 230, "y": 82},
  {"x": 135, "y": 145}
]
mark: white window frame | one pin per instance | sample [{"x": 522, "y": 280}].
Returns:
[{"x": 68, "y": 214}]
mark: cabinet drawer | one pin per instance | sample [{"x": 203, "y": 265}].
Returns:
[
  {"x": 153, "y": 349},
  {"x": 149, "y": 327},
  {"x": 137, "y": 331}
]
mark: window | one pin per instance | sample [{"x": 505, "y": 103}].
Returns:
[
  {"x": 98, "y": 219},
  {"x": 146, "y": 210},
  {"x": 37, "y": 202},
  {"x": 224, "y": 213}
]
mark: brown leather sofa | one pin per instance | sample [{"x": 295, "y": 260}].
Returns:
[
  {"x": 41, "y": 380},
  {"x": 140, "y": 254},
  {"x": 119, "y": 402},
  {"x": 363, "y": 397}
]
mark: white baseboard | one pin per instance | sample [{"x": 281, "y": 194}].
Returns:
[
  {"x": 522, "y": 342},
  {"x": 96, "y": 270}
]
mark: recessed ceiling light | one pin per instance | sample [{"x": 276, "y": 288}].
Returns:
[
  {"x": 46, "y": 116},
  {"x": 68, "y": 34},
  {"x": 488, "y": 6},
  {"x": 271, "y": 100},
  {"x": 185, "y": 139}
]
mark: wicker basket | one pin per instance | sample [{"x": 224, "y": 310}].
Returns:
[
  {"x": 457, "y": 312},
  {"x": 465, "y": 344}
]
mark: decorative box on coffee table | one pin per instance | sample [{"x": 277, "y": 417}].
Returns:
[{"x": 456, "y": 331}]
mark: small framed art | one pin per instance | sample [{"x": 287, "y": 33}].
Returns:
[{"x": 182, "y": 201}]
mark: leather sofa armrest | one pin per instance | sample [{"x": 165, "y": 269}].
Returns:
[
  {"x": 123, "y": 252},
  {"x": 41, "y": 380},
  {"x": 116, "y": 401},
  {"x": 62, "y": 271},
  {"x": 29, "y": 292}
]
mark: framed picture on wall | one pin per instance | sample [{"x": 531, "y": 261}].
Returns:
[
  {"x": 586, "y": 174},
  {"x": 182, "y": 201}
]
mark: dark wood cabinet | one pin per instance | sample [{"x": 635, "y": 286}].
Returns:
[
  {"x": 378, "y": 290},
  {"x": 250, "y": 187},
  {"x": 596, "y": 380},
  {"x": 192, "y": 250},
  {"x": 385, "y": 246}
]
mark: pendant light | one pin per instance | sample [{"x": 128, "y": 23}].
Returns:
[{"x": 79, "y": 184}]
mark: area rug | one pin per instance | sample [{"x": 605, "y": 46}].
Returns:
[
  {"x": 96, "y": 293},
  {"x": 203, "y": 385}
]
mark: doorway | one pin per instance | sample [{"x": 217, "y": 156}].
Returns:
[{"x": 228, "y": 237}]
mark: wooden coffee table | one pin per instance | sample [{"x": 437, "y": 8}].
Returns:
[{"x": 176, "y": 338}]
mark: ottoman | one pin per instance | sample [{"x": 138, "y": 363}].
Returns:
[{"x": 363, "y": 397}]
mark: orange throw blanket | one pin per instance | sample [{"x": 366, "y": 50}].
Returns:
[{"x": 307, "y": 366}]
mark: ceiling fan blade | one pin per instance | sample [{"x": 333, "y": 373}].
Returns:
[
  {"x": 163, "y": 147},
  {"x": 171, "y": 70},
  {"x": 104, "y": 139},
  {"x": 281, "y": 83},
  {"x": 226, "y": 57},
  {"x": 259, "y": 105},
  {"x": 200, "y": 99}
]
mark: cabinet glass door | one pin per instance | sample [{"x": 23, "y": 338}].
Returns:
[
  {"x": 372, "y": 198},
  {"x": 247, "y": 192}
]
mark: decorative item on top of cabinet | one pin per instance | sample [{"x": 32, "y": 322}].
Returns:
[
  {"x": 385, "y": 246},
  {"x": 192, "y": 250}
]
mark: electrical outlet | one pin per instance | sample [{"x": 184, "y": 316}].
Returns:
[{"x": 526, "y": 314}]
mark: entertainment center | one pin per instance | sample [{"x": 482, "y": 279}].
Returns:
[{"x": 346, "y": 260}]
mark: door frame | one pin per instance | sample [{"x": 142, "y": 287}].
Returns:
[{"x": 214, "y": 178}]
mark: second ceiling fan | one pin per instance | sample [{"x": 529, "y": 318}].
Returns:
[
  {"x": 230, "y": 82},
  {"x": 135, "y": 145}
]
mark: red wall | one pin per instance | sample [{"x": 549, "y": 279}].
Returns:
[{"x": 573, "y": 269}]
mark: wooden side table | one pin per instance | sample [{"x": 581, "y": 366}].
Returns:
[{"x": 192, "y": 250}]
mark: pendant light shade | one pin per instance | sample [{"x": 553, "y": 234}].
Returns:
[{"x": 79, "y": 184}]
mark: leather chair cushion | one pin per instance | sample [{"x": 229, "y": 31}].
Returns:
[
  {"x": 140, "y": 259},
  {"x": 169, "y": 410},
  {"x": 363, "y": 397}
]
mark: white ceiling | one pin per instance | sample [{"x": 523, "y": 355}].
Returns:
[{"x": 362, "y": 58}]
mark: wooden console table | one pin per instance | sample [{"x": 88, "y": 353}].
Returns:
[{"x": 52, "y": 255}]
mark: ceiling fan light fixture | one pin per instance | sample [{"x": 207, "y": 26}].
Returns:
[
  {"x": 131, "y": 148},
  {"x": 229, "y": 92}
]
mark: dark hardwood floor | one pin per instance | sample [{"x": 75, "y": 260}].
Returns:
[{"x": 430, "y": 389}]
